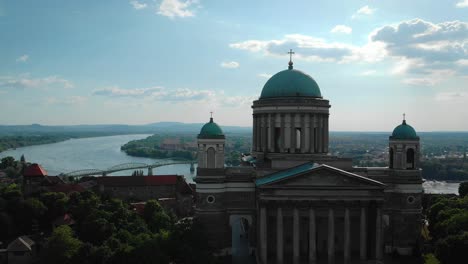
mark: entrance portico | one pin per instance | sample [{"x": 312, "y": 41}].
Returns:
[{"x": 305, "y": 218}]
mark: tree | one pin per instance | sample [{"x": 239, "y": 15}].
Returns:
[
  {"x": 463, "y": 189},
  {"x": 56, "y": 203},
  {"x": 452, "y": 249},
  {"x": 7, "y": 162},
  {"x": 62, "y": 246},
  {"x": 155, "y": 217},
  {"x": 22, "y": 159}
]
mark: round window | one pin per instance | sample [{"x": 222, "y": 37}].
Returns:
[
  {"x": 410, "y": 199},
  {"x": 210, "y": 199}
]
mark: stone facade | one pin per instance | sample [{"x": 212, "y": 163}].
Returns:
[{"x": 295, "y": 203}]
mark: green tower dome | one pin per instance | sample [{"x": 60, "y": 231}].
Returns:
[
  {"x": 404, "y": 131},
  {"x": 211, "y": 130},
  {"x": 290, "y": 83}
]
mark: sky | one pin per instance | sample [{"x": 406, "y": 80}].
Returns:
[{"x": 146, "y": 61}]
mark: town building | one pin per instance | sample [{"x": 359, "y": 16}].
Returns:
[
  {"x": 22, "y": 250},
  {"x": 172, "y": 191},
  {"x": 294, "y": 202}
]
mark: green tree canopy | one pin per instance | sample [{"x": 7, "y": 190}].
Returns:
[
  {"x": 463, "y": 189},
  {"x": 62, "y": 247}
]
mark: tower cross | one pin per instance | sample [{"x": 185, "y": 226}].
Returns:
[
  {"x": 211, "y": 114},
  {"x": 404, "y": 116},
  {"x": 290, "y": 52}
]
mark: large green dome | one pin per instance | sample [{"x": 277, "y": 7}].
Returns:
[
  {"x": 404, "y": 131},
  {"x": 290, "y": 83},
  {"x": 211, "y": 130}
]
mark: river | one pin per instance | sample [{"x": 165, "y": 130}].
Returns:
[
  {"x": 90, "y": 153},
  {"x": 104, "y": 152}
]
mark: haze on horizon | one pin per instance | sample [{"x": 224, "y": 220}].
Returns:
[{"x": 145, "y": 61}]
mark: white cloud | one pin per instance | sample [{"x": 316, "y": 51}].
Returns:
[
  {"x": 264, "y": 75},
  {"x": 422, "y": 47},
  {"x": 230, "y": 64},
  {"x": 462, "y": 62},
  {"x": 138, "y": 92},
  {"x": 363, "y": 11},
  {"x": 138, "y": 5},
  {"x": 420, "y": 50},
  {"x": 451, "y": 96},
  {"x": 156, "y": 93},
  {"x": 161, "y": 94},
  {"x": 177, "y": 8},
  {"x": 22, "y": 58},
  {"x": 368, "y": 73},
  {"x": 313, "y": 49},
  {"x": 420, "y": 81},
  {"x": 71, "y": 100},
  {"x": 342, "y": 29},
  {"x": 25, "y": 82},
  {"x": 462, "y": 4}
]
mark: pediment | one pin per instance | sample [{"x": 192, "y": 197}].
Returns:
[{"x": 317, "y": 176}]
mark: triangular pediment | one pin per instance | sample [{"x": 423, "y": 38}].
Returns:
[{"x": 316, "y": 176}]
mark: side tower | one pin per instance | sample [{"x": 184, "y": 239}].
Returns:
[
  {"x": 210, "y": 210},
  {"x": 404, "y": 195},
  {"x": 211, "y": 146},
  {"x": 404, "y": 149}
]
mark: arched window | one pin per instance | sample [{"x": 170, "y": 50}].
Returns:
[
  {"x": 410, "y": 158},
  {"x": 210, "y": 162},
  {"x": 391, "y": 158}
]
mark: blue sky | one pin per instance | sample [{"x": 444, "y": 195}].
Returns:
[{"x": 137, "y": 62}]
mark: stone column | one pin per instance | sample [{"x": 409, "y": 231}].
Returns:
[
  {"x": 270, "y": 123},
  {"x": 312, "y": 134},
  {"x": 262, "y": 133},
  {"x": 282, "y": 131},
  {"x": 312, "y": 235},
  {"x": 279, "y": 236},
  {"x": 363, "y": 235},
  {"x": 296, "y": 236},
  {"x": 378, "y": 234},
  {"x": 303, "y": 133},
  {"x": 259, "y": 133},
  {"x": 254, "y": 138},
  {"x": 320, "y": 134},
  {"x": 331, "y": 236},
  {"x": 326, "y": 133},
  {"x": 307, "y": 133},
  {"x": 263, "y": 235},
  {"x": 293, "y": 133},
  {"x": 347, "y": 239}
]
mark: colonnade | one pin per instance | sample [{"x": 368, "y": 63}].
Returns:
[
  {"x": 365, "y": 238},
  {"x": 290, "y": 133}
]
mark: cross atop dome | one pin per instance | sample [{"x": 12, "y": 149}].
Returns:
[{"x": 290, "y": 52}]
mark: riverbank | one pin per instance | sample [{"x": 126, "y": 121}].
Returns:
[
  {"x": 91, "y": 153},
  {"x": 13, "y": 142}
]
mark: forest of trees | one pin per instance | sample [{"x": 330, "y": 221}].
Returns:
[
  {"x": 105, "y": 231},
  {"x": 448, "y": 225}
]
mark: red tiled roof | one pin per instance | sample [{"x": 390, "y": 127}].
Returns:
[
  {"x": 65, "y": 219},
  {"x": 34, "y": 170},
  {"x": 138, "y": 180}
]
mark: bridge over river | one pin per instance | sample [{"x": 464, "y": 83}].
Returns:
[{"x": 127, "y": 166}]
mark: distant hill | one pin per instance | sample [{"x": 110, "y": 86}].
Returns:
[{"x": 113, "y": 129}]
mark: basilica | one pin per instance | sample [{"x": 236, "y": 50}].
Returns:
[{"x": 294, "y": 202}]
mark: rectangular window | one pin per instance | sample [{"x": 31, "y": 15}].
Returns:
[
  {"x": 298, "y": 138},
  {"x": 277, "y": 139}
]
